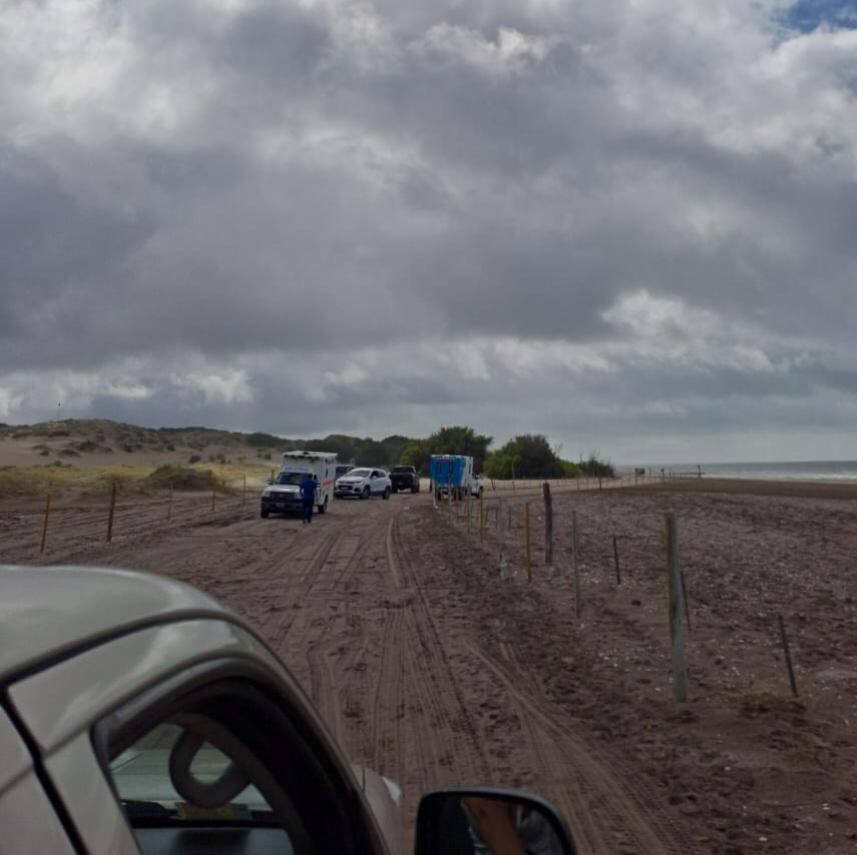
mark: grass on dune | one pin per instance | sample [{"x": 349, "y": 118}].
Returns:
[{"x": 129, "y": 477}]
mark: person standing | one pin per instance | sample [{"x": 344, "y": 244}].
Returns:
[{"x": 308, "y": 488}]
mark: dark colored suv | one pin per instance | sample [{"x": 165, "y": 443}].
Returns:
[{"x": 405, "y": 478}]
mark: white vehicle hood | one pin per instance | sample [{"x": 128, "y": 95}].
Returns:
[
  {"x": 281, "y": 488},
  {"x": 347, "y": 480}
]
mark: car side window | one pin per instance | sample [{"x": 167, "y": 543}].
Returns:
[
  {"x": 176, "y": 785},
  {"x": 192, "y": 770}
]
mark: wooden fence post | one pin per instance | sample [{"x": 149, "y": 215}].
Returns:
[
  {"x": 575, "y": 570},
  {"x": 45, "y": 524},
  {"x": 527, "y": 541},
  {"x": 616, "y": 560},
  {"x": 501, "y": 536},
  {"x": 676, "y": 609},
  {"x": 785, "y": 642},
  {"x": 112, "y": 511},
  {"x": 546, "y": 491}
]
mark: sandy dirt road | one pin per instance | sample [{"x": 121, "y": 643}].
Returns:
[{"x": 395, "y": 626}]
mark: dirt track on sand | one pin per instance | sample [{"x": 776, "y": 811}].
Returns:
[{"x": 428, "y": 668}]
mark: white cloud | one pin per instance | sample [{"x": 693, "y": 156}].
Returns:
[
  {"x": 225, "y": 387},
  {"x": 8, "y": 403},
  {"x": 510, "y": 52},
  {"x": 322, "y": 215}
]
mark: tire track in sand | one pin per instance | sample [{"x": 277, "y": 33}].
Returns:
[
  {"x": 607, "y": 813},
  {"x": 443, "y": 737}
]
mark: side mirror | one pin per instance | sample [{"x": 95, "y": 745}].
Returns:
[{"x": 487, "y": 820}]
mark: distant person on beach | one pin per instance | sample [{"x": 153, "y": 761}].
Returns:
[{"x": 308, "y": 488}]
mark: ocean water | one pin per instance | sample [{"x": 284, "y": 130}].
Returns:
[{"x": 806, "y": 470}]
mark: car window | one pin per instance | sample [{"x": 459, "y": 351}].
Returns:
[
  {"x": 360, "y": 473},
  {"x": 142, "y": 777},
  {"x": 237, "y": 764},
  {"x": 158, "y": 799}
]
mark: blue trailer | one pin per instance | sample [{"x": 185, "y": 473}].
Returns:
[{"x": 453, "y": 473}]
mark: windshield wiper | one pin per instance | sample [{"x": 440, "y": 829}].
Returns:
[{"x": 145, "y": 812}]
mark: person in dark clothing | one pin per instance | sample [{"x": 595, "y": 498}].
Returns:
[{"x": 307, "y": 488}]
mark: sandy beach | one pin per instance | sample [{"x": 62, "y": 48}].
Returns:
[{"x": 430, "y": 667}]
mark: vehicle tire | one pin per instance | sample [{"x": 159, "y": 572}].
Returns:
[
  {"x": 395, "y": 489},
  {"x": 386, "y": 493},
  {"x": 264, "y": 513},
  {"x": 323, "y": 507},
  {"x": 367, "y": 493},
  {"x": 479, "y": 494}
]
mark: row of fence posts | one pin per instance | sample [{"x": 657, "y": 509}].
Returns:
[
  {"x": 678, "y": 607},
  {"x": 111, "y": 513}
]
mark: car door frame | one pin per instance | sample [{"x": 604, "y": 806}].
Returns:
[
  {"x": 31, "y": 816},
  {"x": 77, "y": 749}
]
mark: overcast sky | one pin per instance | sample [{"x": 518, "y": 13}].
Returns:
[{"x": 628, "y": 224}]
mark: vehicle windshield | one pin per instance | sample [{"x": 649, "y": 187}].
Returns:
[
  {"x": 403, "y": 469},
  {"x": 359, "y": 473},
  {"x": 293, "y": 478}
]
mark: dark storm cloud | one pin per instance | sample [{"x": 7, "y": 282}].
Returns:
[
  {"x": 51, "y": 242},
  {"x": 274, "y": 189}
]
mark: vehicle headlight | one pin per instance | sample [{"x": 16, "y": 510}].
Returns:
[{"x": 267, "y": 492}]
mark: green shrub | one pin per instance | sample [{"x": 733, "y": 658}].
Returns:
[
  {"x": 259, "y": 439},
  {"x": 184, "y": 478},
  {"x": 595, "y": 468}
]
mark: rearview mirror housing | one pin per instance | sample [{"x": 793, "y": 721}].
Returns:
[{"x": 465, "y": 820}]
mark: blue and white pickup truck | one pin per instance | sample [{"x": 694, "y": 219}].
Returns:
[{"x": 282, "y": 495}]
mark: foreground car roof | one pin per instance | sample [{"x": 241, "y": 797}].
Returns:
[{"x": 46, "y": 611}]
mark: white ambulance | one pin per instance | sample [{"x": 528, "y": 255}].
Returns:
[{"x": 283, "y": 494}]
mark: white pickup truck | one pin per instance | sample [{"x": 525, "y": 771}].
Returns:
[{"x": 283, "y": 493}]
